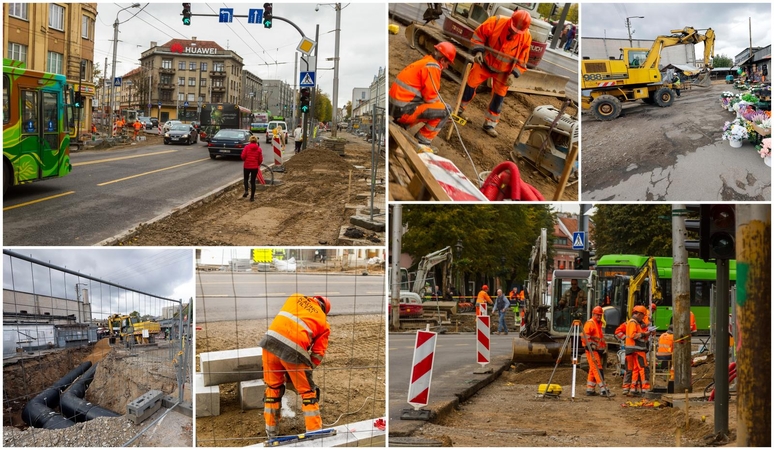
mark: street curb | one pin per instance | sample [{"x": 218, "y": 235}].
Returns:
[{"x": 195, "y": 203}]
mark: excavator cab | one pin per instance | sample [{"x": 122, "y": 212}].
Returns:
[{"x": 566, "y": 305}]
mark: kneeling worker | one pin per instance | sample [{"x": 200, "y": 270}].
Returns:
[
  {"x": 294, "y": 345},
  {"x": 414, "y": 96}
]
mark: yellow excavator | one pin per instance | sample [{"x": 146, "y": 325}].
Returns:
[
  {"x": 129, "y": 328},
  {"x": 626, "y": 293},
  {"x": 606, "y": 84}
]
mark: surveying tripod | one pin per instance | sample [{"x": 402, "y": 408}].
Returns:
[{"x": 573, "y": 335}]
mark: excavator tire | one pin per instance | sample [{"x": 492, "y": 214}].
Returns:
[
  {"x": 664, "y": 97},
  {"x": 606, "y": 107}
]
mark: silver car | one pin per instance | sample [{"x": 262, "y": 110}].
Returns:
[
  {"x": 181, "y": 132},
  {"x": 169, "y": 124}
]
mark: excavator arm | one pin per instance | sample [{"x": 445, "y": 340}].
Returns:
[
  {"x": 687, "y": 35},
  {"x": 648, "y": 271},
  {"x": 428, "y": 262},
  {"x": 537, "y": 282}
]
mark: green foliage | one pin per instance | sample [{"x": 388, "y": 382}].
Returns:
[
  {"x": 544, "y": 9},
  {"x": 349, "y": 110},
  {"x": 633, "y": 229},
  {"x": 722, "y": 61},
  {"x": 323, "y": 111}
]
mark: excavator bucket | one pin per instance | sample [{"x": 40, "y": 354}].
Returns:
[
  {"x": 544, "y": 351},
  {"x": 703, "y": 80},
  {"x": 538, "y": 82}
]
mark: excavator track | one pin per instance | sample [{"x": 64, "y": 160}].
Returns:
[{"x": 423, "y": 38}]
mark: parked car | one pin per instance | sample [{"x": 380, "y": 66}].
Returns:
[
  {"x": 274, "y": 124},
  {"x": 154, "y": 122},
  {"x": 181, "y": 132},
  {"x": 228, "y": 142},
  {"x": 145, "y": 121}
]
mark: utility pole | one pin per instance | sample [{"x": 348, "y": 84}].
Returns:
[
  {"x": 629, "y": 27},
  {"x": 115, "y": 57},
  {"x": 336, "y": 71},
  {"x": 681, "y": 301},
  {"x": 395, "y": 279}
]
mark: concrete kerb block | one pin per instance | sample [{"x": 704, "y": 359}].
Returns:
[
  {"x": 356, "y": 434},
  {"x": 231, "y": 366},
  {"x": 251, "y": 397},
  {"x": 207, "y": 397},
  {"x": 144, "y": 406}
]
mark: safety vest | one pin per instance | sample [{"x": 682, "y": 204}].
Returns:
[
  {"x": 418, "y": 83},
  {"x": 299, "y": 333},
  {"x": 665, "y": 344},
  {"x": 636, "y": 340},
  {"x": 593, "y": 331},
  {"x": 620, "y": 332},
  {"x": 483, "y": 297},
  {"x": 508, "y": 54}
]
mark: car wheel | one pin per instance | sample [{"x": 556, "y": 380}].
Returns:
[
  {"x": 166, "y": 142},
  {"x": 212, "y": 156}
]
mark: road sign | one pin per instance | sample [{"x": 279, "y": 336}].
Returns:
[
  {"x": 307, "y": 79},
  {"x": 422, "y": 368},
  {"x": 306, "y": 45},
  {"x": 255, "y": 16},
  {"x": 226, "y": 15},
  {"x": 117, "y": 81},
  {"x": 579, "y": 240},
  {"x": 159, "y": 105},
  {"x": 185, "y": 103},
  {"x": 149, "y": 105}
]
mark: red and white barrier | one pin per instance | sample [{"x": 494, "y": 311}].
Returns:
[
  {"x": 422, "y": 368},
  {"x": 482, "y": 339},
  {"x": 114, "y": 129},
  {"x": 277, "y": 151},
  {"x": 451, "y": 178},
  {"x": 481, "y": 309},
  {"x": 159, "y": 128}
]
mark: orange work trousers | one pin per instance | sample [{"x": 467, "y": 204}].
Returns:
[
  {"x": 596, "y": 377},
  {"x": 432, "y": 114},
  {"x": 274, "y": 372},
  {"x": 478, "y": 75},
  {"x": 640, "y": 371}
]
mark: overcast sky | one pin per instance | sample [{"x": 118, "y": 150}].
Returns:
[
  {"x": 729, "y": 21},
  {"x": 165, "y": 273},
  {"x": 268, "y": 53}
]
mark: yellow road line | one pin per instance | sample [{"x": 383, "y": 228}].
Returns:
[
  {"x": 38, "y": 200},
  {"x": 152, "y": 172},
  {"x": 98, "y": 161}
]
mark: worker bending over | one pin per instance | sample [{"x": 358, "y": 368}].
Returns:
[
  {"x": 294, "y": 345},
  {"x": 500, "y": 48},
  {"x": 414, "y": 96}
]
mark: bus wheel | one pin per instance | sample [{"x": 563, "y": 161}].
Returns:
[{"x": 7, "y": 177}]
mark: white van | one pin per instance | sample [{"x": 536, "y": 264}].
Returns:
[{"x": 274, "y": 124}]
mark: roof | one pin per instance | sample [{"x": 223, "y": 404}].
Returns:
[
  {"x": 682, "y": 67},
  {"x": 191, "y": 43}
]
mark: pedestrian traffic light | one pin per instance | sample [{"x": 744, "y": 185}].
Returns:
[
  {"x": 267, "y": 15},
  {"x": 578, "y": 263},
  {"x": 186, "y": 14},
  {"x": 718, "y": 232},
  {"x": 78, "y": 100},
  {"x": 303, "y": 103}
]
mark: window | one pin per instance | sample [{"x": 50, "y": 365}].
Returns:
[
  {"x": 192, "y": 81},
  {"x": 192, "y": 66},
  {"x": 217, "y": 67},
  {"x": 204, "y": 67},
  {"x": 18, "y": 10},
  {"x": 181, "y": 65},
  {"x": 54, "y": 63},
  {"x": 50, "y": 119},
  {"x": 166, "y": 96},
  {"x": 181, "y": 81},
  {"x": 191, "y": 98},
  {"x": 166, "y": 63},
  {"x": 217, "y": 83},
  {"x": 30, "y": 112},
  {"x": 17, "y": 52},
  {"x": 203, "y": 82},
  {"x": 56, "y": 18},
  {"x": 166, "y": 79},
  {"x": 85, "y": 23},
  {"x": 561, "y": 241},
  {"x": 181, "y": 96},
  {"x": 6, "y": 101}
]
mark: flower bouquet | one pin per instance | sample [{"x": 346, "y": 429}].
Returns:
[
  {"x": 764, "y": 149},
  {"x": 734, "y": 132}
]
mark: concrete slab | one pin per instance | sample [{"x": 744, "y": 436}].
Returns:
[
  {"x": 231, "y": 366},
  {"x": 357, "y": 434},
  {"x": 364, "y": 221},
  {"x": 207, "y": 397},
  {"x": 143, "y": 407},
  {"x": 251, "y": 397}
]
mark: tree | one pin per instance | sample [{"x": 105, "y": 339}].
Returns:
[
  {"x": 96, "y": 75},
  {"x": 633, "y": 229},
  {"x": 323, "y": 110},
  {"x": 544, "y": 9},
  {"x": 722, "y": 61},
  {"x": 349, "y": 109}
]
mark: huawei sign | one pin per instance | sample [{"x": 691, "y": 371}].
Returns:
[{"x": 176, "y": 47}]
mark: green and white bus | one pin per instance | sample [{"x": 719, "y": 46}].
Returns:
[{"x": 36, "y": 125}]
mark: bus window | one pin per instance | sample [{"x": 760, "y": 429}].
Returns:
[
  {"x": 6, "y": 101},
  {"x": 50, "y": 120},
  {"x": 30, "y": 112}
]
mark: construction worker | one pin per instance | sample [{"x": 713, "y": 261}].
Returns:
[
  {"x": 483, "y": 296},
  {"x": 665, "y": 348},
  {"x": 136, "y": 125},
  {"x": 501, "y": 48},
  {"x": 415, "y": 98},
  {"x": 636, "y": 348},
  {"x": 595, "y": 346},
  {"x": 294, "y": 345},
  {"x": 575, "y": 297}
]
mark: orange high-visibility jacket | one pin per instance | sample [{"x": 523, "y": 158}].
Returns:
[
  {"x": 137, "y": 125},
  {"x": 636, "y": 340},
  {"x": 299, "y": 333},
  {"x": 508, "y": 55},
  {"x": 665, "y": 344},
  {"x": 483, "y": 297},
  {"x": 418, "y": 83},
  {"x": 693, "y": 322},
  {"x": 593, "y": 330},
  {"x": 620, "y": 332}
]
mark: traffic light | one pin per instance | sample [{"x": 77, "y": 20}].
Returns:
[
  {"x": 578, "y": 263},
  {"x": 78, "y": 100},
  {"x": 82, "y": 69},
  {"x": 186, "y": 14},
  {"x": 303, "y": 103},
  {"x": 718, "y": 232},
  {"x": 267, "y": 15}
]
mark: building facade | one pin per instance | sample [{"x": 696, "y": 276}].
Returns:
[
  {"x": 252, "y": 85},
  {"x": 54, "y": 37},
  {"x": 279, "y": 98}
]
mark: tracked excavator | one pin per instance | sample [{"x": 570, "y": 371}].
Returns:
[
  {"x": 635, "y": 75},
  {"x": 429, "y": 261},
  {"x": 458, "y": 27}
]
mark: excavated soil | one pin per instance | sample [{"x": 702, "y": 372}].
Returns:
[
  {"x": 307, "y": 208},
  {"x": 485, "y": 151},
  {"x": 351, "y": 378}
]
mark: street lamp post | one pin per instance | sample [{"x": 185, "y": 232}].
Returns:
[
  {"x": 629, "y": 26},
  {"x": 459, "y": 248},
  {"x": 113, "y": 76},
  {"x": 336, "y": 70}
]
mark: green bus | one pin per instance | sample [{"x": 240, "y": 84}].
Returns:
[
  {"x": 612, "y": 268},
  {"x": 36, "y": 125}
]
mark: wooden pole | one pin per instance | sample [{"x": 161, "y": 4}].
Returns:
[
  {"x": 459, "y": 98},
  {"x": 569, "y": 162}
]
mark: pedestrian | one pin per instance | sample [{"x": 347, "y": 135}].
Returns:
[
  {"x": 501, "y": 48},
  {"x": 636, "y": 348},
  {"x": 676, "y": 84},
  {"x": 252, "y": 155},
  {"x": 501, "y": 305},
  {"x": 563, "y": 35},
  {"x": 298, "y": 138},
  {"x": 596, "y": 354},
  {"x": 293, "y": 347},
  {"x": 415, "y": 94},
  {"x": 93, "y": 129},
  {"x": 570, "y": 37}
]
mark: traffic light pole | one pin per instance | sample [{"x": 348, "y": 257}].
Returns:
[
  {"x": 681, "y": 302},
  {"x": 721, "y": 349}
]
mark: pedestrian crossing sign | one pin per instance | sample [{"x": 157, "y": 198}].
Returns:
[
  {"x": 307, "y": 79},
  {"x": 579, "y": 240}
]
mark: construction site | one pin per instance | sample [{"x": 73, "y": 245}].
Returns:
[
  {"x": 536, "y": 148},
  {"x": 107, "y": 368},
  {"x": 229, "y": 368}
]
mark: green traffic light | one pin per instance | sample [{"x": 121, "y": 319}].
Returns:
[{"x": 186, "y": 21}]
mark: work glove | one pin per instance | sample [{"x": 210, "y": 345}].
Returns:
[
  {"x": 652, "y": 329},
  {"x": 479, "y": 58},
  {"x": 516, "y": 73}
]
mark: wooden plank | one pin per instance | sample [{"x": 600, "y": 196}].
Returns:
[
  {"x": 569, "y": 162},
  {"x": 419, "y": 168},
  {"x": 536, "y": 92}
]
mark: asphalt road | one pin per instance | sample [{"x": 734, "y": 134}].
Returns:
[
  {"x": 230, "y": 296},
  {"x": 109, "y": 192}
]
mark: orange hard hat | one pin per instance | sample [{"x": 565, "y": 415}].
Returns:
[
  {"x": 597, "y": 310},
  {"x": 641, "y": 309},
  {"x": 447, "y": 49},
  {"x": 325, "y": 304},
  {"x": 520, "y": 21},
  {"x": 484, "y": 288}
]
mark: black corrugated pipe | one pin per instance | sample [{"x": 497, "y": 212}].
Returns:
[
  {"x": 38, "y": 413},
  {"x": 74, "y": 406}
]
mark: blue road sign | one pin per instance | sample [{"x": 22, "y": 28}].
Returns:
[
  {"x": 255, "y": 16},
  {"x": 579, "y": 240},
  {"x": 117, "y": 81},
  {"x": 307, "y": 79},
  {"x": 185, "y": 103},
  {"x": 226, "y": 15},
  {"x": 159, "y": 105}
]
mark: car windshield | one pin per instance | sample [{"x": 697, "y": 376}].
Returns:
[
  {"x": 230, "y": 134},
  {"x": 180, "y": 127}
]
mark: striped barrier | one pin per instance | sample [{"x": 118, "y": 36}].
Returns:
[
  {"x": 277, "y": 151},
  {"x": 159, "y": 129},
  {"x": 482, "y": 340},
  {"x": 481, "y": 309},
  {"x": 422, "y": 368},
  {"x": 451, "y": 179}
]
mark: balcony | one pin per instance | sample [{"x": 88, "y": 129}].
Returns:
[
  {"x": 166, "y": 86},
  {"x": 218, "y": 88},
  {"x": 217, "y": 73},
  {"x": 167, "y": 70}
]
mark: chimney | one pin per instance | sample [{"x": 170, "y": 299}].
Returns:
[
  {"x": 193, "y": 38},
  {"x": 153, "y": 44}
]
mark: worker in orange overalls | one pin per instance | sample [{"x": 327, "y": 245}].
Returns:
[
  {"x": 501, "y": 48},
  {"x": 294, "y": 346},
  {"x": 483, "y": 297},
  {"x": 415, "y": 98},
  {"x": 636, "y": 348},
  {"x": 595, "y": 346},
  {"x": 665, "y": 348},
  {"x": 136, "y": 125}
]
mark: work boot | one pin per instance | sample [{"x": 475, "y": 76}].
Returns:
[
  {"x": 491, "y": 131},
  {"x": 591, "y": 393},
  {"x": 607, "y": 393},
  {"x": 625, "y": 392},
  {"x": 244, "y": 195}
]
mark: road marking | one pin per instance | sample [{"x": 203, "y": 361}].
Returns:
[
  {"x": 32, "y": 202},
  {"x": 152, "y": 172},
  {"x": 120, "y": 158}
]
